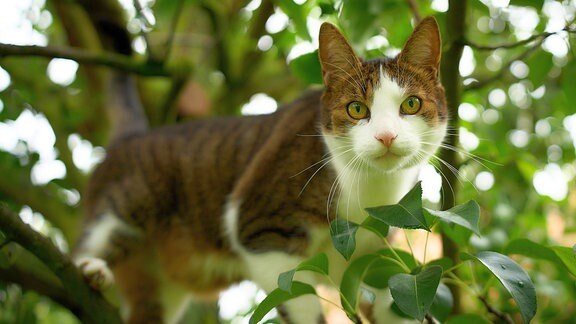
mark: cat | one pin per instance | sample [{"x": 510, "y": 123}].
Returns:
[{"x": 184, "y": 211}]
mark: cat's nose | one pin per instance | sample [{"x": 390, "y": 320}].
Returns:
[{"x": 386, "y": 138}]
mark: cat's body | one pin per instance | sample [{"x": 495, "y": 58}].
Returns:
[{"x": 191, "y": 209}]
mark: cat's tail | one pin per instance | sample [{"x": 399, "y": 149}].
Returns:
[
  {"x": 124, "y": 108},
  {"x": 123, "y": 105}
]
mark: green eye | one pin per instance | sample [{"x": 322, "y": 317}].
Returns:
[
  {"x": 411, "y": 105},
  {"x": 357, "y": 110}
]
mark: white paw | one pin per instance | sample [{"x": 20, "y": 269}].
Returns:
[{"x": 96, "y": 272}]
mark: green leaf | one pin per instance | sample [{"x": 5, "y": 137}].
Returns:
[
  {"x": 445, "y": 263},
  {"x": 376, "y": 226},
  {"x": 442, "y": 303},
  {"x": 458, "y": 234},
  {"x": 318, "y": 263},
  {"x": 514, "y": 279},
  {"x": 540, "y": 65},
  {"x": 352, "y": 280},
  {"x": 567, "y": 82},
  {"x": 388, "y": 265},
  {"x": 562, "y": 257},
  {"x": 343, "y": 234},
  {"x": 307, "y": 68},
  {"x": 414, "y": 294},
  {"x": 279, "y": 296},
  {"x": 406, "y": 214},
  {"x": 568, "y": 257},
  {"x": 466, "y": 215},
  {"x": 524, "y": 3}
]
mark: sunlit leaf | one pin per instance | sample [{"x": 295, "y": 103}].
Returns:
[
  {"x": 568, "y": 257},
  {"x": 513, "y": 278}
]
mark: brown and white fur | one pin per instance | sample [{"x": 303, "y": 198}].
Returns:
[{"x": 187, "y": 210}]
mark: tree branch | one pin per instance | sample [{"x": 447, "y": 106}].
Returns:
[
  {"x": 31, "y": 278},
  {"x": 116, "y": 61},
  {"x": 465, "y": 42},
  {"x": 500, "y": 315},
  {"x": 172, "y": 32},
  {"x": 455, "y": 31},
  {"x": 15, "y": 183},
  {"x": 93, "y": 307},
  {"x": 504, "y": 69},
  {"x": 414, "y": 9}
]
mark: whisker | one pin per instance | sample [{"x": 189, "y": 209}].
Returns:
[{"x": 325, "y": 161}]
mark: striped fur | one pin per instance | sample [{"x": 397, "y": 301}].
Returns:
[{"x": 206, "y": 202}]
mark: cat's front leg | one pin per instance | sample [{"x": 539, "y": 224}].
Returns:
[
  {"x": 96, "y": 271},
  {"x": 103, "y": 243}
]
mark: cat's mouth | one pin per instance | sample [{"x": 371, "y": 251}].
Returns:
[{"x": 390, "y": 160}]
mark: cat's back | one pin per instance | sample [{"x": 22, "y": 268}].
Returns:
[{"x": 202, "y": 159}]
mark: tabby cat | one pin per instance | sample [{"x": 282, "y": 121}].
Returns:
[{"x": 182, "y": 212}]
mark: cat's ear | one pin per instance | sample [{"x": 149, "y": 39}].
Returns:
[
  {"x": 424, "y": 46},
  {"x": 336, "y": 55}
]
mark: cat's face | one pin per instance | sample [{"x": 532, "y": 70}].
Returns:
[{"x": 388, "y": 114}]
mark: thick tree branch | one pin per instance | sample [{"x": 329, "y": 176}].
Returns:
[
  {"x": 16, "y": 184},
  {"x": 455, "y": 31},
  {"x": 28, "y": 276},
  {"x": 116, "y": 61},
  {"x": 93, "y": 307}
]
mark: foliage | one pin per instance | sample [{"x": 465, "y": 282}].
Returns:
[
  {"x": 416, "y": 286},
  {"x": 513, "y": 123}
]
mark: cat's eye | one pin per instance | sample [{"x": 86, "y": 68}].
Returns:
[
  {"x": 411, "y": 105},
  {"x": 357, "y": 110}
]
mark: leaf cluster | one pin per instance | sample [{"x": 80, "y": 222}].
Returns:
[{"x": 419, "y": 289}]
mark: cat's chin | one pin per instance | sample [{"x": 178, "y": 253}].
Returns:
[{"x": 389, "y": 162}]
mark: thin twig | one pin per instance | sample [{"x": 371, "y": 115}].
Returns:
[
  {"x": 146, "y": 23},
  {"x": 506, "y": 45},
  {"x": 116, "y": 61},
  {"x": 503, "y": 316},
  {"x": 504, "y": 69},
  {"x": 172, "y": 32},
  {"x": 430, "y": 319}
]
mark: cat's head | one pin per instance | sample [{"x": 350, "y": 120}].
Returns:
[{"x": 387, "y": 113}]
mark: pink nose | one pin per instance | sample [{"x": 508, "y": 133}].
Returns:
[{"x": 386, "y": 138}]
